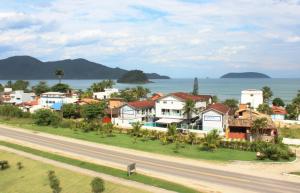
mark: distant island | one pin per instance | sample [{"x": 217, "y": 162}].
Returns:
[
  {"x": 134, "y": 77},
  {"x": 29, "y": 68},
  {"x": 245, "y": 75}
]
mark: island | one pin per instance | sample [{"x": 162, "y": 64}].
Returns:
[
  {"x": 245, "y": 75},
  {"x": 134, "y": 77}
]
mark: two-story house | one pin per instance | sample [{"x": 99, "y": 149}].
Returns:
[
  {"x": 106, "y": 94},
  {"x": 137, "y": 111},
  {"x": 170, "y": 108}
]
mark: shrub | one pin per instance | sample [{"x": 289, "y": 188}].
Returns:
[
  {"x": 20, "y": 165},
  {"x": 70, "y": 111},
  {"x": 54, "y": 182},
  {"x": 45, "y": 117},
  {"x": 97, "y": 185},
  {"x": 211, "y": 141},
  {"x": 67, "y": 123},
  {"x": 93, "y": 111},
  {"x": 12, "y": 111}
]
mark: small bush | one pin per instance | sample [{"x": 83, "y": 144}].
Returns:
[
  {"x": 45, "y": 117},
  {"x": 97, "y": 185},
  {"x": 20, "y": 165},
  {"x": 12, "y": 111}
]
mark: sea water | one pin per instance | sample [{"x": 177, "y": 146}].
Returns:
[{"x": 223, "y": 88}]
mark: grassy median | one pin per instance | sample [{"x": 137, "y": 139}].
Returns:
[
  {"x": 104, "y": 169},
  {"x": 124, "y": 140},
  {"x": 33, "y": 178}
]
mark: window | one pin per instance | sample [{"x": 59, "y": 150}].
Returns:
[{"x": 165, "y": 102}]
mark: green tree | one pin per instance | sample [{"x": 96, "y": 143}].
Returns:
[
  {"x": 258, "y": 126},
  {"x": 140, "y": 92},
  {"x": 60, "y": 74},
  {"x": 46, "y": 117},
  {"x": 211, "y": 140},
  {"x": 41, "y": 88},
  {"x": 60, "y": 88},
  {"x": 1, "y": 88},
  {"x": 97, "y": 185},
  {"x": 18, "y": 85},
  {"x": 93, "y": 111},
  {"x": 136, "y": 128},
  {"x": 54, "y": 182},
  {"x": 215, "y": 99},
  {"x": 232, "y": 104},
  {"x": 172, "y": 131},
  {"x": 264, "y": 108},
  {"x": 189, "y": 108},
  {"x": 291, "y": 111},
  {"x": 278, "y": 102},
  {"x": 70, "y": 111},
  {"x": 267, "y": 94},
  {"x": 196, "y": 87}
]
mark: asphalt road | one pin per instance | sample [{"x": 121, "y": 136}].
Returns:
[{"x": 176, "y": 169}]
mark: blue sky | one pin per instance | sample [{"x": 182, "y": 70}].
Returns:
[{"x": 179, "y": 38}]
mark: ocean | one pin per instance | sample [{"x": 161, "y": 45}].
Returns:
[{"x": 223, "y": 88}]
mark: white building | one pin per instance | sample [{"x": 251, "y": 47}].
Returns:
[
  {"x": 105, "y": 94},
  {"x": 138, "y": 111},
  {"x": 215, "y": 117},
  {"x": 169, "y": 108},
  {"x": 252, "y": 97},
  {"x": 49, "y": 98},
  {"x": 19, "y": 96}
]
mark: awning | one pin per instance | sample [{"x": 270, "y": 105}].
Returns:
[
  {"x": 57, "y": 106},
  {"x": 168, "y": 121}
]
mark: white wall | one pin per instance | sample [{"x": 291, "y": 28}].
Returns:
[
  {"x": 212, "y": 120},
  {"x": 19, "y": 97},
  {"x": 254, "y": 97},
  {"x": 106, "y": 94},
  {"x": 174, "y": 105}
]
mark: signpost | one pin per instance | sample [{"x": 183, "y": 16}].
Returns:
[{"x": 131, "y": 168}]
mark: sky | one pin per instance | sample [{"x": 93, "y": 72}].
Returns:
[{"x": 179, "y": 38}]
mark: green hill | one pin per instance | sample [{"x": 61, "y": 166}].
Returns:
[
  {"x": 29, "y": 68},
  {"x": 134, "y": 77}
]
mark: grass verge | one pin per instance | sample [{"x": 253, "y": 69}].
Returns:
[
  {"x": 33, "y": 178},
  {"x": 125, "y": 141},
  {"x": 290, "y": 132},
  {"x": 104, "y": 169}
]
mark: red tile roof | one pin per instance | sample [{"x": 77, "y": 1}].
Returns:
[
  {"x": 279, "y": 110},
  {"x": 142, "y": 104},
  {"x": 187, "y": 96},
  {"x": 219, "y": 107},
  {"x": 156, "y": 96},
  {"x": 30, "y": 103}
]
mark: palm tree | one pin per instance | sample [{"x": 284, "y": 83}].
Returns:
[
  {"x": 267, "y": 94},
  {"x": 189, "y": 108},
  {"x": 140, "y": 92},
  {"x": 172, "y": 131},
  {"x": 136, "y": 128},
  {"x": 60, "y": 74},
  {"x": 259, "y": 125}
]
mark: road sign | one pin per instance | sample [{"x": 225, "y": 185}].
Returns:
[{"x": 131, "y": 168}]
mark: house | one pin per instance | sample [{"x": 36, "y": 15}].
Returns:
[
  {"x": 156, "y": 96},
  {"x": 19, "y": 96},
  {"x": 137, "y": 111},
  {"x": 5, "y": 95},
  {"x": 56, "y": 99},
  {"x": 239, "y": 126},
  {"x": 106, "y": 94},
  {"x": 169, "y": 108},
  {"x": 215, "y": 116},
  {"x": 115, "y": 102},
  {"x": 278, "y": 113},
  {"x": 49, "y": 98},
  {"x": 30, "y": 106},
  {"x": 252, "y": 97}
]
